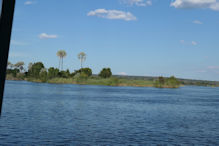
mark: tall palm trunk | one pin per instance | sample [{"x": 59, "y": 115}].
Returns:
[
  {"x": 62, "y": 63},
  {"x": 59, "y": 62}
]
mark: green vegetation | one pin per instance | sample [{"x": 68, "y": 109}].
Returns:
[
  {"x": 35, "y": 69},
  {"x": 38, "y": 73},
  {"x": 86, "y": 71},
  {"x": 105, "y": 73},
  {"x": 171, "y": 82}
]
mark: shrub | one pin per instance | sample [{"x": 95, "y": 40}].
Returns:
[
  {"x": 113, "y": 81},
  {"x": 171, "y": 82},
  {"x": 13, "y": 72},
  {"x": 80, "y": 77},
  {"x": 35, "y": 69},
  {"x": 63, "y": 74},
  {"x": 43, "y": 75},
  {"x": 20, "y": 76},
  {"x": 53, "y": 72},
  {"x": 86, "y": 71},
  {"x": 105, "y": 73}
]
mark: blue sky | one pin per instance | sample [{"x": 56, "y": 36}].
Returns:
[{"x": 133, "y": 37}]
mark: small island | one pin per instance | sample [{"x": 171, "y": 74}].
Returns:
[{"x": 37, "y": 72}]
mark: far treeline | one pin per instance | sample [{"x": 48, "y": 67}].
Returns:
[{"x": 36, "y": 72}]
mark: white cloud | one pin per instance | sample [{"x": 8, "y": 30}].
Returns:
[
  {"x": 197, "y": 22},
  {"x": 194, "y": 43},
  {"x": 112, "y": 14},
  {"x": 211, "y": 4},
  {"x": 215, "y": 6},
  {"x": 122, "y": 73},
  {"x": 142, "y": 3},
  {"x": 28, "y": 3},
  {"x": 47, "y": 36}
]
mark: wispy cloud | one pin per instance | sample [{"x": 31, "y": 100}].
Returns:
[
  {"x": 112, "y": 14},
  {"x": 122, "y": 73},
  {"x": 197, "y": 22},
  {"x": 182, "y": 41},
  {"x": 17, "y": 55},
  {"x": 213, "y": 67},
  {"x": 141, "y": 3},
  {"x": 202, "y": 71},
  {"x": 210, "y": 4},
  {"x": 194, "y": 43},
  {"x": 18, "y": 43},
  {"x": 28, "y": 3},
  {"x": 47, "y": 36},
  {"x": 209, "y": 69}
]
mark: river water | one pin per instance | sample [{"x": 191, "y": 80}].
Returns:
[{"x": 52, "y": 114}]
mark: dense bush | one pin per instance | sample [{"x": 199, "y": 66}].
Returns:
[
  {"x": 113, "y": 81},
  {"x": 86, "y": 71},
  {"x": 53, "y": 72},
  {"x": 80, "y": 77},
  {"x": 105, "y": 73},
  {"x": 43, "y": 75},
  {"x": 13, "y": 72},
  {"x": 171, "y": 82},
  {"x": 64, "y": 74}
]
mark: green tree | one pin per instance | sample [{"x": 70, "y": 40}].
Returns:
[
  {"x": 80, "y": 77},
  {"x": 105, "y": 73},
  {"x": 68, "y": 73},
  {"x": 43, "y": 75},
  {"x": 161, "y": 80},
  {"x": 173, "y": 82},
  {"x": 53, "y": 72},
  {"x": 64, "y": 74},
  {"x": 34, "y": 71},
  {"x": 61, "y": 54},
  {"x": 13, "y": 72},
  {"x": 86, "y": 71},
  {"x": 82, "y": 58}
]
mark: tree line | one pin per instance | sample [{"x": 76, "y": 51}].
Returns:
[{"x": 38, "y": 71}]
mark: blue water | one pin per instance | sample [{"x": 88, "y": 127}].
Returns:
[{"x": 51, "y": 114}]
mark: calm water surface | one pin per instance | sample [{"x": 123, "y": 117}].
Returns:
[{"x": 48, "y": 114}]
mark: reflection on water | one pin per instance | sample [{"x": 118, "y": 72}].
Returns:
[{"x": 48, "y": 114}]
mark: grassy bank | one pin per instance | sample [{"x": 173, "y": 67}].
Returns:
[
  {"x": 38, "y": 73},
  {"x": 134, "y": 81},
  {"x": 113, "y": 81},
  {"x": 95, "y": 80}
]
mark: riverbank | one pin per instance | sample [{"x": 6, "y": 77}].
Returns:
[
  {"x": 95, "y": 80},
  {"x": 117, "y": 80}
]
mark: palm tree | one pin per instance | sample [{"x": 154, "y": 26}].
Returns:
[
  {"x": 82, "y": 57},
  {"x": 61, "y": 54}
]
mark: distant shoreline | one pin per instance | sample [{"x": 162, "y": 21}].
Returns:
[{"x": 121, "y": 81}]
